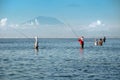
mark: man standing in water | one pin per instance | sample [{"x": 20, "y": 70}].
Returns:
[
  {"x": 96, "y": 42},
  {"x": 104, "y": 39},
  {"x": 100, "y": 42},
  {"x": 36, "y": 43},
  {"x": 81, "y": 41}
]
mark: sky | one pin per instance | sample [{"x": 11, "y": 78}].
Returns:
[{"x": 88, "y": 18}]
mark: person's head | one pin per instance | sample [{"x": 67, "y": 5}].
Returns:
[
  {"x": 100, "y": 39},
  {"x": 82, "y": 38},
  {"x": 36, "y": 38}
]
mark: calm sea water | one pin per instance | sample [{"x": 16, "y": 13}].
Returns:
[{"x": 59, "y": 59}]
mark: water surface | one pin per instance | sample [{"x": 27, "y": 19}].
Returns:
[{"x": 59, "y": 59}]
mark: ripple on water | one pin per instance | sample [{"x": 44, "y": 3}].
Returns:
[{"x": 58, "y": 60}]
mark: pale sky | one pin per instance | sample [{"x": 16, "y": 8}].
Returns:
[{"x": 89, "y": 18}]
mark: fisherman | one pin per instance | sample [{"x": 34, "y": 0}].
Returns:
[
  {"x": 36, "y": 43},
  {"x": 100, "y": 42},
  {"x": 81, "y": 41},
  {"x": 104, "y": 39},
  {"x": 96, "y": 42}
]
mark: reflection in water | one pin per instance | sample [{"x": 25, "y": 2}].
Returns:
[
  {"x": 36, "y": 51},
  {"x": 81, "y": 51}
]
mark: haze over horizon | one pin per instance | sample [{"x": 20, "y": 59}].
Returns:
[{"x": 59, "y": 18}]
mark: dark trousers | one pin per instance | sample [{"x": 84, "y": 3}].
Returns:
[{"x": 82, "y": 45}]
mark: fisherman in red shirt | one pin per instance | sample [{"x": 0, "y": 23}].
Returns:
[{"x": 81, "y": 41}]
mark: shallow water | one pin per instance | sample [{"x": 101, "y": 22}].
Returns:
[{"x": 59, "y": 59}]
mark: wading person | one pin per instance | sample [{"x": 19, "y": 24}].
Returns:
[
  {"x": 96, "y": 42},
  {"x": 100, "y": 42},
  {"x": 104, "y": 39},
  {"x": 36, "y": 43},
  {"x": 81, "y": 41}
]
